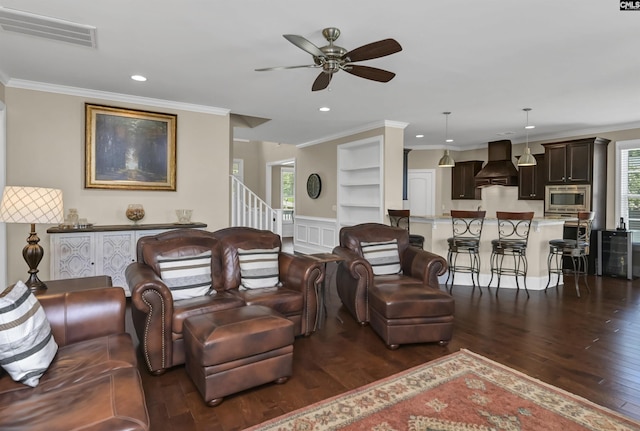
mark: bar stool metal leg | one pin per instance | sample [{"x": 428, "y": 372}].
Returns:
[
  {"x": 574, "y": 247},
  {"x": 467, "y": 229},
  {"x": 513, "y": 235}
]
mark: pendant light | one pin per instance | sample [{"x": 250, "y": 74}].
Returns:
[
  {"x": 527, "y": 158},
  {"x": 446, "y": 161}
]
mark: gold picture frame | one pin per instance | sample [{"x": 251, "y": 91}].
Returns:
[{"x": 129, "y": 149}]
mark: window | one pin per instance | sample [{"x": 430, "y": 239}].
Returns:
[
  {"x": 237, "y": 169},
  {"x": 287, "y": 189},
  {"x": 628, "y": 184}
]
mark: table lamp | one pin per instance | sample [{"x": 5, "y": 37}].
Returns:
[{"x": 32, "y": 205}]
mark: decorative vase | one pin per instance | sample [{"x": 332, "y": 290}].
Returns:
[
  {"x": 184, "y": 216},
  {"x": 135, "y": 213},
  {"x": 72, "y": 218}
]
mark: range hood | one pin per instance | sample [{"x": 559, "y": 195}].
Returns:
[{"x": 499, "y": 170}]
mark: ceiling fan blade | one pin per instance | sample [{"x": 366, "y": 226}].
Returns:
[
  {"x": 304, "y": 44},
  {"x": 322, "y": 81},
  {"x": 372, "y": 73},
  {"x": 264, "y": 69},
  {"x": 377, "y": 49}
]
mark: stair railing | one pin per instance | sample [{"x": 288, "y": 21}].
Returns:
[{"x": 248, "y": 210}]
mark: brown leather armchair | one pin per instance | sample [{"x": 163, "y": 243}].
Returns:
[
  {"x": 405, "y": 307},
  {"x": 296, "y": 298},
  {"x": 157, "y": 318}
]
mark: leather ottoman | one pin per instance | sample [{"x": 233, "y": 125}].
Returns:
[
  {"x": 410, "y": 313},
  {"x": 232, "y": 350}
]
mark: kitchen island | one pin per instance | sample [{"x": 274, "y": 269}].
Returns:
[{"x": 436, "y": 230}]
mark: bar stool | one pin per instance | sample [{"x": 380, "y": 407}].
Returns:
[
  {"x": 513, "y": 236},
  {"x": 400, "y": 218},
  {"x": 575, "y": 248},
  {"x": 467, "y": 229}
]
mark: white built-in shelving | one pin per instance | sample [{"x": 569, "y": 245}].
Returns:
[{"x": 360, "y": 182}]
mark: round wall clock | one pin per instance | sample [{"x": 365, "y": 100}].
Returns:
[{"x": 314, "y": 186}]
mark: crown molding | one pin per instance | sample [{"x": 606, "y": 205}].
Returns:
[
  {"x": 115, "y": 97},
  {"x": 395, "y": 124},
  {"x": 447, "y": 147},
  {"x": 587, "y": 131},
  {"x": 541, "y": 138},
  {"x": 361, "y": 129}
]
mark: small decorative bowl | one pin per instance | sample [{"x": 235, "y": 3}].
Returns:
[{"x": 135, "y": 212}]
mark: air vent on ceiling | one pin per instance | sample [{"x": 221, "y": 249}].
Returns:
[{"x": 46, "y": 27}]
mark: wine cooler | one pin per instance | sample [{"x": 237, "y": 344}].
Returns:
[{"x": 615, "y": 254}]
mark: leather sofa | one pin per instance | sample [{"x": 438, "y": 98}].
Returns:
[
  {"x": 93, "y": 382},
  {"x": 404, "y": 307},
  {"x": 159, "y": 319}
]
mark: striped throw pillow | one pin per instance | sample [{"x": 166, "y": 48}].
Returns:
[
  {"x": 259, "y": 267},
  {"x": 186, "y": 276},
  {"x": 27, "y": 346},
  {"x": 383, "y": 257}
]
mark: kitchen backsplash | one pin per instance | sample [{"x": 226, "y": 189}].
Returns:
[{"x": 499, "y": 198}]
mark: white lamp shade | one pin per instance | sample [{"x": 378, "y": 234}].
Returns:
[{"x": 31, "y": 205}]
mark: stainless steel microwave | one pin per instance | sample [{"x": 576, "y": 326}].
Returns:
[{"x": 567, "y": 199}]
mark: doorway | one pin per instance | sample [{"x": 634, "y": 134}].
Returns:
[{"x": 421, "y": 191}]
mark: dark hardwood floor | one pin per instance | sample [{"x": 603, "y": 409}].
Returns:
[{"x": 589, "y": 346}]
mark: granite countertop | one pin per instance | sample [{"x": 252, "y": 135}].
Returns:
[{"x": 445, "y": 218}]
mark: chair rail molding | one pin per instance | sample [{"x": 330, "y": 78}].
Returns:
[{"x": 314, "y": 234}]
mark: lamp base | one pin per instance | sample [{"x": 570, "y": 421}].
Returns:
[
  {"x": 34, "y": 283},
  {"x": 32, "y": 253}
]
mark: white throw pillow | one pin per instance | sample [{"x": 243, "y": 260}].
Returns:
[
  {"x": 27, "y": 346},
  {"x": 187, "y": 276},
  {"x": 259, "y": 267},
  {"x": 383, "y": 257}
]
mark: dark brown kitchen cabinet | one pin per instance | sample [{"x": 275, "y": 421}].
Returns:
[
  {"x": 572, "y": 162},
  {"x": 463, "y": 184},
  {"x": 581, "y": 161},
  {"x": 531, "y": 180}
]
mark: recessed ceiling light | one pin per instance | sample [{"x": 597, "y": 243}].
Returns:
[
  {"x": 325, "y": 109},
  {"x": 138, "y": 78},
  {"x": 419, "y": 136}
]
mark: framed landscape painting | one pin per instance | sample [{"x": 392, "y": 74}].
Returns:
[{"x": 129, "y": 149}]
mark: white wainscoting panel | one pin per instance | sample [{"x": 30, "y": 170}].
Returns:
[{"x": 314, "y": 234}]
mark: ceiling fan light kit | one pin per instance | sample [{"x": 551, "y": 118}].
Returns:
[{"x": 333, "y": 58}]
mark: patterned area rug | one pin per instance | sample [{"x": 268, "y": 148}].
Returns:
[{"x": 460, "y": 392}]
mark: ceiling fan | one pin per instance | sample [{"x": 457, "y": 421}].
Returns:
[{"x": 333, "y": 58}]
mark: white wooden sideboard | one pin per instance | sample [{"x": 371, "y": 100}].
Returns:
[{"x": 101, "y": 250}]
